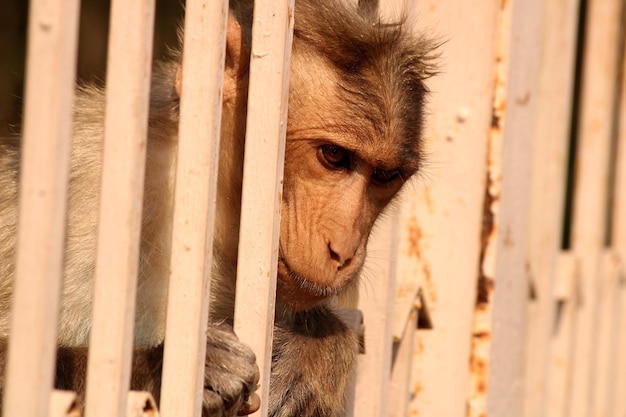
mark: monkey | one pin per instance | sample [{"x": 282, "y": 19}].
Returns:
[{"x": 357, "y": 97}]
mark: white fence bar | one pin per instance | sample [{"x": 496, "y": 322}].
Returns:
[
  {"x": 550, "y": 150},
  {"x": 194, "y": 208},
  {"x": 272, "y": 31},
  {"x": 489, "y": 239},
  {"x": 619, "y": 244},
  {"x": 456, "y": 134},
  {"x": 566, "y": 287},
  {"x": 141, "y": 404},
  {"x": 506, "y": 363},
  {"x": 376, "y": 294},
  {"x": 63, "y": 404},
  {"x": 399, "y": 386},
  {"x": 599, "y": 76},
  {"x": 605, "y": 335},
  {"x": 410, "y": 268},
  {"x": 49, "y": 92},
  {"x": 126, "y": 123}
]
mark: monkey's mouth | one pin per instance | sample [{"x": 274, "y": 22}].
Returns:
[
  {"x": 306, "y": 285},
  {"x": 301, "y": 293}
]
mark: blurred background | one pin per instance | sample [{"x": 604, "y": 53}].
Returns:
[{"x": 92, "y": 48}]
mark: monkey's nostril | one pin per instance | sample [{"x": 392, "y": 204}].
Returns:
[
  {"x": 342, "y": 261},
  {"x": 334, "y": 255}
]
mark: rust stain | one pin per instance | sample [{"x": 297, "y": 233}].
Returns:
[
  {"x": 414, "y": 250},
  {"x": 414, "y": 237},
  {"x": 508, "y": 238},
  {"x": 485, "y": 284},
  {"x": 417, "y": 388},
  {"x": 419, "y": 346},
  {"x": 483, "y": 335},
  {"x": 484, "y": 291},
  {"x": 523, "y": 100},
  {"x": 478, "y": 366},
  {"x": 479, "y": 369},
  {"x": 429, "y": 286},
  {"x": 428, "y": 200}
]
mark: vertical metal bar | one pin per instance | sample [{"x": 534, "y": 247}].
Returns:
[
  {"x": 482, "y": 334},
  {"x": 548, "y": 176},
  {"x": 194, "y": 208},
  {"x": 399, "y": 385},
  {"x": 272, "y": 32},
  {"x": 509, "y": 306},
  {"x": 456, "y": 133},
  {"x": 126, "y": 122},
  {"x": 49, "y": 93},
  {"x": 605, "y": 334},
  {"x": 590, "y": 196},
  {"x": 618, "y": 406},
  {"x": 559, "y": 357},
  {"x": 376, "y": 297}
]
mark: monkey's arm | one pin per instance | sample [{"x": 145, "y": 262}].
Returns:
[
  {"x": 313, "y": 361},
  {"x": 230, "y": 373}
]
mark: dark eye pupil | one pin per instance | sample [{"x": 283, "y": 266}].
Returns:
[
  {"x": 385, "y": 176},
  {"x": 336, "y": 156}
]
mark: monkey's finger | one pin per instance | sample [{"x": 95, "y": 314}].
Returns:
[
  {"x": 250, "y": 406},
  {"x": 257, "y": 376}
]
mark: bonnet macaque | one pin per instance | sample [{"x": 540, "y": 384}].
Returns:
[{"x": 356, "y": 103}]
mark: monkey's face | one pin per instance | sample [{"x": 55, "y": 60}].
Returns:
[{"x": 340, "y": 173}]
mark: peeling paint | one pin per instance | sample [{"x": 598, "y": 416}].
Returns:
[
  {"x": 414, "y": 249},
  {"x": 485, "y": 285},
  {"x": 414, "y": 237}
]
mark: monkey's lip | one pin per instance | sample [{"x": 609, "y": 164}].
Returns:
[{"x": 299, "y": 292}]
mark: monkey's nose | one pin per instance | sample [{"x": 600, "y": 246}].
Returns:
[{"x": 342, "y": 256}]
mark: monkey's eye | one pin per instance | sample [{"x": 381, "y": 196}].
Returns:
[
  {"x": 335, "y": 156},
  {"x": 382, "y": 177}
]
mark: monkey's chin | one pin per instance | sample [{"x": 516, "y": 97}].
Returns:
[{"x": 299, "y": 293}]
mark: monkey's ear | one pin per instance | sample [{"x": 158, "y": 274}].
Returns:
[
  {"x": 237, "y": 57},
  {"x": 237, "y": 52}
]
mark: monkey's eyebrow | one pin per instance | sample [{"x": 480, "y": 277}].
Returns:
[{"x": 331, "y": 130}]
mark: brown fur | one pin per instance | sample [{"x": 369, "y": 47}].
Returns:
[{"x": 356, "y": 85}]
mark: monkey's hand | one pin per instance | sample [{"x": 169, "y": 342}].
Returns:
[{"x": 230, "y": 375}]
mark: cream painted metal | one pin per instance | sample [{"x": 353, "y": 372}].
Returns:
[
  {"x": 456, "y": 134},
  {"x": 141, "y": 404},
  {"x": 194, "y": 207},
  {"x": 511, "y": 182},
  {"x": 399, "y": 385},
  {"x": 599, "y": 76},
  {"x": 272, "y": 31},
  {"x": 410, "y": 270},
  {"x": 53, "y": 30},
  {"x": 376, "y": 294},
  {"x": 377, "y": 299},
  {"x": 566, "y": 293},
  {"x": 63, "y": 404},
  {"x": 619, "y": 243},
  {"x": 605, "y": 332},
  {"x": 488, "y": 285},
  {"x": 126, "y": 123},
  {"x": 548, "y": 176}
]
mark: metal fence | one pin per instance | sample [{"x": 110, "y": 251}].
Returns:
[{"x": 500, "y": 283}]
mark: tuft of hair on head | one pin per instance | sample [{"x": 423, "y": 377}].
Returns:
[{"x": 382, "y": 65}]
